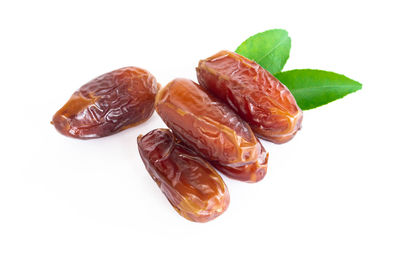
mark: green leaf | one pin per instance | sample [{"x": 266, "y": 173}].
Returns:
[
  {"x": 270, "y": 49},
  {"x": 314, "y": 88}
]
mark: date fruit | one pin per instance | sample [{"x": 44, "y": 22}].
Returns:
[
  {"x": 254, "y": 93},
  {"x": 108, "y": 104},
  {"x": 212, "y": 129},
  {"x": 190, "y": 183}
]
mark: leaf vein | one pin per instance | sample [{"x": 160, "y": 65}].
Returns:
[
  {"x": 269, "y": 52},
  {"x": 347, "y": 87}
]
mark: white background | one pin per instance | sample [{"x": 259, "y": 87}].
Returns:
[{"x": 333, "y": 191}]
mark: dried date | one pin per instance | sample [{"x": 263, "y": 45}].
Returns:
[
  {"x": 108, "y": 104},
  {"x": 254, "y": 93},
  {"x": 212, "y": 129},
  {"x": 190, "y": 183}
]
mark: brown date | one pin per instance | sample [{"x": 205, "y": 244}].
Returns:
[
  {"x": 254, "y": 93},
  {"x": 212, "y": 129},
  {"x": 108, "y": 104},
  {"x": 190, "y": 183}
]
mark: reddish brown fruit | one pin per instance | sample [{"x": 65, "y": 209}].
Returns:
[
  {"x": 212, "y": 129},
  {"x": 108, "y": 104},
  {"x": 190, "y": 183},
  {"x": 255, "y": 94}
]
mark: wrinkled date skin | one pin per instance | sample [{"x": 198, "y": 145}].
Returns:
[
  {"x": 212, "y": 129},
  {"x": 108, "y": 104},
  {"x": 254, "y": 93},
  {"x": 190, "y": 183}
]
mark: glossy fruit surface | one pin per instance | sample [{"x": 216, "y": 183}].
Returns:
[
  {"x": 212, "y": 129},
  {"x": 108, "y": 104},
  {"x": 251, "y": 172},
  {"x": 190, "y": 183},
  {"x": 254, "y": 93}
]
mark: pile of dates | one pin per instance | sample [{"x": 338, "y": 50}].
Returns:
[{"x": 212, "y": 125}]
